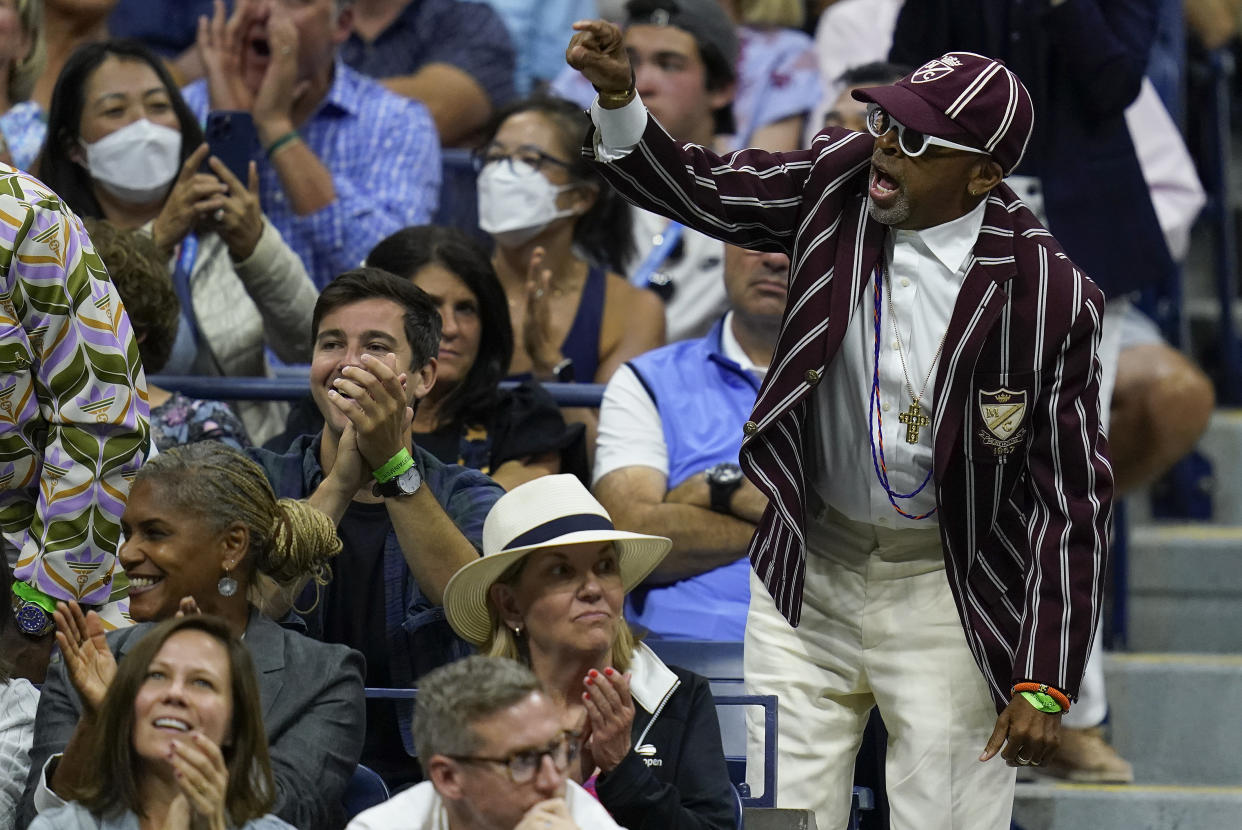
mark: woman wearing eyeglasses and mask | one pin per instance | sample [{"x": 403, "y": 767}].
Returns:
[
  {"x": 180, "y": 740},
  {"x": 549, "y": 591},
  {"x": 561, "y": 238},
  {"x": 123, "y": 146}
]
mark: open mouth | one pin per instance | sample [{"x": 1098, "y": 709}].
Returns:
[
  {"x": 883, "y": 186},
  {"x": 142, "y": 584},
  {"x": 175, "y": 724}
]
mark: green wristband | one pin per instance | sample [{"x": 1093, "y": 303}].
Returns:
[
  {"x": 29, "y": 593},
  {"x": 287, "y": 138},
  {"x": 394, "y": 467},
  {"x": 1042, "y": 702}
]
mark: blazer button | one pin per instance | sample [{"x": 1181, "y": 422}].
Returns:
[
  {"x": 811, "y": 377},
  {"x": 750, "y": 428}
]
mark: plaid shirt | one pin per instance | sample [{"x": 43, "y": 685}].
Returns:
[
  {"x": 465, "y": 35},
  {"x": 418, "y": 634},
  {"x": 384, "y": 155}
]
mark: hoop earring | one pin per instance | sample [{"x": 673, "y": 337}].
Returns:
[{"x": 227, "y": 586}]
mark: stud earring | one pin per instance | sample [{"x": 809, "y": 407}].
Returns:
[
  {"x": 227, "y": 586},
  {"x": 517, "y": 631}
]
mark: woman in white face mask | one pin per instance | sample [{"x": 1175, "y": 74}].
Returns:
[
  {"x": 561, "y": 237},
  {"x": 123, "y": 146}
]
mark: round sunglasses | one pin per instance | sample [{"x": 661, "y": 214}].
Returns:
[{"x": 912, "y": 142}]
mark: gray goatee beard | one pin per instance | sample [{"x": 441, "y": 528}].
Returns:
[{"x": 894, "y": 215}]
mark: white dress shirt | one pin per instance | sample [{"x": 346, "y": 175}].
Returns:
[{"x": 926, "y": 269}]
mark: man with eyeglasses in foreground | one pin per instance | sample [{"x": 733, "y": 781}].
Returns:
[
  {"x": 928, "y": 436},
  {"x": 495, "y": 757}
]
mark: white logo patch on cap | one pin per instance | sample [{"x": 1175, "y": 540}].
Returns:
[{"x": 932, "y": 70}]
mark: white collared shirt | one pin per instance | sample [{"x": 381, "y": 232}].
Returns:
[{"x": 926, "y": 269}]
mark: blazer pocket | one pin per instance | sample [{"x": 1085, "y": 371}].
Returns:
[{"x": 998, "y": 417}]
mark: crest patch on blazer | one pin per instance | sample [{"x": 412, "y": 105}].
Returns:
[{"x": 1003, "y": 412}]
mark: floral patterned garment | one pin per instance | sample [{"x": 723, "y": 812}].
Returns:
[
  {"x": 182, "y": 420},
  {"x": 73, "y": 398}
]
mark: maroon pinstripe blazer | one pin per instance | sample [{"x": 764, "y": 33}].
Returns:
[{"x": 1023, "y": 484}]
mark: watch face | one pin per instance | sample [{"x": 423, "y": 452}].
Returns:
[
  {"x": 33, "y": 620},
  {"x": 406, "y": 484},
  {"x": 409, "y": 481},
  {"x": 724, "y": 474}
]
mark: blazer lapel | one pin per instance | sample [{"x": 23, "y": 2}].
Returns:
[
  {"x": 979, "y": 305},
  {"x": 816, "y": 320},
  {"x": 265, "y": 642}
]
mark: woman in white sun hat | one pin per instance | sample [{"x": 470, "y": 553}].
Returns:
[{"x": 549, "y": 591}]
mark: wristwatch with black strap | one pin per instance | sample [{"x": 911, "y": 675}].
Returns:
[
  {"x": 722, "y": 482},
  {"x": 398, "y": 477}
]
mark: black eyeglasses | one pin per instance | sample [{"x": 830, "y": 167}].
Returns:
[
  {"x": 912, "y": 142},
  {"x": 527, "y": 154},
  {"x": 522, "y": 765}
]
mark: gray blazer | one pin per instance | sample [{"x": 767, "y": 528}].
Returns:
[{"x": 313, "y": 708}]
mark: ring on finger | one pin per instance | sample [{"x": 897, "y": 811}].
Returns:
[
  {"x": 218, "y": 215},
  {"x": 1026, "y": 762}
]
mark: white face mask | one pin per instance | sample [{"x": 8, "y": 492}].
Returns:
[
  {"x": 516, "y": 202},
  {"x": 137, "y": 162}
]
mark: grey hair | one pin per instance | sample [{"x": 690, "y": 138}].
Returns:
[
  {"x": 219, "y": 484},
  {"x": 453, "y": 697}
]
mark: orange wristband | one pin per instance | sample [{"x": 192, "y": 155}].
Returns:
[{"x": 1043, "y": 688}]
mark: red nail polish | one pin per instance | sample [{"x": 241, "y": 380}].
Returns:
[
  {"x": 586, "y": 695},
  {"x": 608, "y": 672},
  {"x": 589, "y": 681}
]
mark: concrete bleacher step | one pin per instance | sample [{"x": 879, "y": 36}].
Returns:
[
  {"x": 1185, "y": 588},
  {"x": 1175, "y": 718},
  {"x": 1221, "y": 444},
  {"x": 1082, "y": 807}
]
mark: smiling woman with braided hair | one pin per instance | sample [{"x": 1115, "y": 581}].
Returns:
[{"x": 202, "y": 528}]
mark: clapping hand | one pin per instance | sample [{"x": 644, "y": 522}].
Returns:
[
  {"x": 597, "y": 50},
  {"x": 84, "y": 648},
  {"x": 610, "y": 716},
  {"x": 537, "y": 331},
  {"x": 203, "y": 777},
  {"x": 372, "y": 397}
]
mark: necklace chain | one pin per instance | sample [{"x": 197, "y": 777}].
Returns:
[{"x": 892, "y": 317}]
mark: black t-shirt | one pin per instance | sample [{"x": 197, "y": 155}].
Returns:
[
  {"x": 524, "y": 422},
  {"x": 353, "y": 614}
]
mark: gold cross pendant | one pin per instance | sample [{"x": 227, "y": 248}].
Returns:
[{"x": 914, "y": 420}]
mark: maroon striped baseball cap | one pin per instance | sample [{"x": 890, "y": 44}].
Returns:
[{"x": 963, "y": 97}]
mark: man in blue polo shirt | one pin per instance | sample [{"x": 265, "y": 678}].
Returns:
[{"x": 666, "y": 459}]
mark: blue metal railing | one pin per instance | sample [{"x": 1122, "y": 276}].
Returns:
[{"x": 292, "y": 386}]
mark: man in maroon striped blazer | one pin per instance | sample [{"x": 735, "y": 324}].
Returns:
[{"x": 930, "y": 422}]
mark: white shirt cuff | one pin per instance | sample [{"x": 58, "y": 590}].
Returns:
[
  {"x": 618, "y": 131},
  {"x": 44, "y": 798}
]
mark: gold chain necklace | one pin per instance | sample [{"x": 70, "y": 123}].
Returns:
[{"x": 913, "y": 417}]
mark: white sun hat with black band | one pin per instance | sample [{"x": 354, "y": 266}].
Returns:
[{"x": 548, "y": 512}]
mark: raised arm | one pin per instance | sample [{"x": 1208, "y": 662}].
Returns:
[{"x": 751, "y": 198}]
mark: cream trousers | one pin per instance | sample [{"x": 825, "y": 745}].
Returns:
[{"x": 879, "y": 628}]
